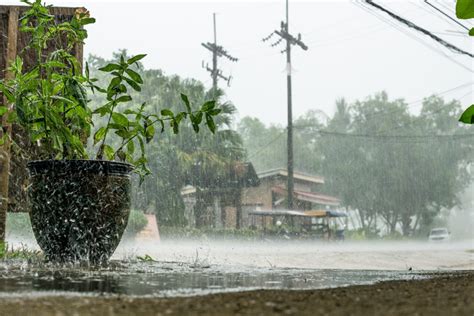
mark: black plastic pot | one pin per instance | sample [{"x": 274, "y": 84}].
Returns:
[{"x": 79, "y": 208}]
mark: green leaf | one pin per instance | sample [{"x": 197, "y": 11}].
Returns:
[
  {"x": 180, "y": 116},
  {"x": 109, "y": 152},
  {"x": 468, "y": 115},
  {"x": 210, "y": 123},
  {"x": 175, "y": 125},
  {"x": 186, "y": 102},
  {"x": 149, "y": 133},
  {"x": 465, "y": 9},
  {"x": 3, "y": 110},
  {"x": 129, "y": 111},
  {"x": 197, "y": 119},
  {"x": 110, "y": 67},
  {"x": 124, "y": 98},
  {"x": 120, "y": 119},
  {"x": 131, "y": 147},
  {"x": 135, "y": 58},
  {"x": 471, "y": 32},
  {"x": 86, "y": 21},
  {"x": 103, "y": 110},
  {"x": 167, "y": 112},
  {"x": 133, "y": 84},
  {"x": 99, "y": 135},
  {"x": 209, "y": 105},
  {"x": 113, "y": 83},
  {"x": 79, "y": 93},
  {"x": 134, "y": 75},
  {"x": 214, "y": 112},
  {"x": 12, "y": 117}
]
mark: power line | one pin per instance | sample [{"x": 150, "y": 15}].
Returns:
[
  {"x": 420, "y": 29},
  {"x": 361, "y": 6},
  {"x": 266, "y": 145},
  {"x": 446, "y": 15},
  {"x": 426, "y": 136},
  {"x": 464, "y": 85},
  {"x": 378, "y": 114}
]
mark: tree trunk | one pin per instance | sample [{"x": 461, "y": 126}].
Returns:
[
  {"x": 5, "y": 149},
  {"x": 406, "y": 227}
]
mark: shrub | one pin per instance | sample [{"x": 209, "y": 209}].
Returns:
[{"x": 136, "y": 222}]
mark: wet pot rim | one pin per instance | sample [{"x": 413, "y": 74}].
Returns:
[{"x": 106, "y": 167}]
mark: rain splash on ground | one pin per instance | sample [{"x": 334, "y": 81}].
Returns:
[{"x": 194, "y": 267}]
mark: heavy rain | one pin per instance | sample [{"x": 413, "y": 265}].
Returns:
[{"x": 236, "y": 157}]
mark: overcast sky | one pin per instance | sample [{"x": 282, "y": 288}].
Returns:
[{"x": 351, "y": 54}]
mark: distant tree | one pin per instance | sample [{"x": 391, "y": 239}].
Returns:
[
  {"x": 377, "y": 158},
  {"x": 265, "y": 146}
]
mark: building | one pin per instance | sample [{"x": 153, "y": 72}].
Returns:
[
  {"x": 216, "y": 200},
  {"x": 230, "y": 206}
]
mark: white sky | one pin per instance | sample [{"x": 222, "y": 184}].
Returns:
[{"x": 351, "y": 54}]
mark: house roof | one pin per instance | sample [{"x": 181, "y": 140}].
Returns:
[
  {"x": 296, "y": 175},
  {"x": 312, "y": 197},
  {"x": 237, "y": 175}
]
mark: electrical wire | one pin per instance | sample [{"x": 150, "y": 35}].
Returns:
[
  {"x": 266, "y": 145},
  {"x": 446, "y": 15},
  {"x": 420, "y": 29},
  {"x": 361, "y": 6}
]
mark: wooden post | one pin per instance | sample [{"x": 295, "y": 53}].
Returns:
[
  {"x": 238, "y": 206},
  {"x": 5, "y": 149}
]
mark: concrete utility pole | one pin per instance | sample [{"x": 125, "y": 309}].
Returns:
[
  {"x": 217, "y": 51},
  {"x": 284, "y": 34}
]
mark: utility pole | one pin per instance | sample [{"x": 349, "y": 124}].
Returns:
[
  {"x": 284, "y": 34},
  {"x": 217, "y": 51}
]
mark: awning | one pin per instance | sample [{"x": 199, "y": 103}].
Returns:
[
  {"x": 312, "y": 197},
  {"x": 314, "y": 213},
  {"x": 324, "y": 213},
  {"x": 277, "y": 213}
]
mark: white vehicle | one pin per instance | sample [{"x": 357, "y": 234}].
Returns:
[{"x": 439, "y": 234}]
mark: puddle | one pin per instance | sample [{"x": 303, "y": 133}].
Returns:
[{"x": 174, "y": 279}]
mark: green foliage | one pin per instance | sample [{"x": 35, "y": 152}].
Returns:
[
  {"x": 468, "y": 115},
  {"x": 177, "y": 159},
  {"x": 402, "y": 180},
  {"x": 266, "y": 145},
  {"x": 136, "y": 222},
  {"x": 22, "y": 252},
  {"x": 465, "y": 10},
  {"x": 51, "y": 100}
]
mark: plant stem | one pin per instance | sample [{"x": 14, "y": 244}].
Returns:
[{"x": 101, "y": 147}]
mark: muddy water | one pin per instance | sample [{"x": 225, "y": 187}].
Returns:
[
  {"x": 377, "y": 255},
  {"x": 173, "y": 278},
  {"x": 184, "y": 267}
]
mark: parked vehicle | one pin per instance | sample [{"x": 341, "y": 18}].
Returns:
[{"x": 439, "y": 234}]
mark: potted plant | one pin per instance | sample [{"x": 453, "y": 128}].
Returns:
[{"x": 80, "y": 206}]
